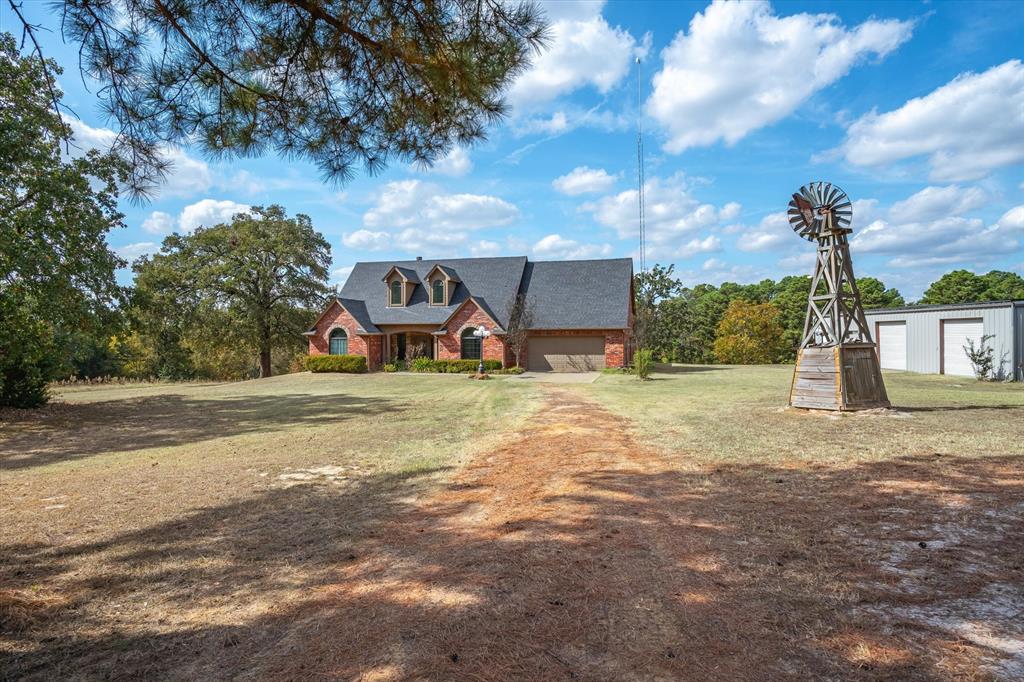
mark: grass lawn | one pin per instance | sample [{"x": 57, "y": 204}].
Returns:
[
  {"x": 401, "y": 526},
  {"x": 738, "y": 414}
]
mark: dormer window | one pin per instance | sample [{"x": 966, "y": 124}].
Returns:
[
  {"x": 396, "y": 292},
  {"x": 443, "y": 281},
  {"x": 401, "y": 283}
]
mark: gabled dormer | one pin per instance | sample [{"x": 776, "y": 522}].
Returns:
[
  {"x": 400, "y": 283},
  {"x": 441, "y": 283}
]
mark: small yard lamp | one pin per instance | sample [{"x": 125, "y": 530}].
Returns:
[{"x": 482, "y": 334}]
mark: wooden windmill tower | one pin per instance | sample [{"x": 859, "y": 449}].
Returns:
[{"x": 836, "y": 365}]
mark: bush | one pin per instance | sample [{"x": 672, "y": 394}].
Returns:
[
  {"x": 348, "y": 364},
  {"x": 509, "y": 370},
  {"x": 452, "y": 366},
  {"x": 642, "y": 364},
  {"x": 982, "y": 357}
]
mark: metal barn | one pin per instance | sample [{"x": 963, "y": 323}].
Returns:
[{"x": 930, "y": 338}]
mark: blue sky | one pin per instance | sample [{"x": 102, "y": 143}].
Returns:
[{"x": 916, "y": 109}]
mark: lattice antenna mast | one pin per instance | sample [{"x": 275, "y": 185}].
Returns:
[{"x": 640, "y": 171}]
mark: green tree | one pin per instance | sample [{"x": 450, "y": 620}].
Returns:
[
  {"x": 650, "y": 288},
  {"x": 248, "y": 282},
  {"x": 873, "y": 294},
  {"x": 56, "y": 270},
  {"x": 334, "y": 82},
  {"x": 1003, "y": 286},
  {"x": 749, "y": 334},
  {"x": 958, "y": 286},
  {"x": 790, "y": 298}
]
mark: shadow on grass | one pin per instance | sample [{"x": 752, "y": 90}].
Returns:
[
  {"x": 72, "y": 431},
  {"x": 605, "y": 571}
]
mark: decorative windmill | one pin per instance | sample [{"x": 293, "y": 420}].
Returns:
[{"x": 836, "y": 366}]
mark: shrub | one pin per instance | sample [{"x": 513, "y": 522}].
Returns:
[
  {"x": 422, "y": 365},
  {"x": 642, "y": 364},
  {"x": 390, "y": 367},
  {"x": 452, "y": 366},
  {"x": 982, "y": 357},
  {"x": 348, "y": 364},
  {"x": 509, "y": 370},
  {"x": 28, "y": 356}
]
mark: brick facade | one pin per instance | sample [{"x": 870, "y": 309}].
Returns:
[
  {"x": 617, "y": 349},
  {"x": 369, "y": 346},
  {"x": 449, "y": 346}
]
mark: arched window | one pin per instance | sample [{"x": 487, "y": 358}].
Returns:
[
  {"x": 396, "y": 292},
  {"x": 470, "y": 344},
  {"x": 339, "y": 342},
  {"x": 438, "y": 294}
]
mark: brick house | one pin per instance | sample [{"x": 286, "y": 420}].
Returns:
[{"x": 398, "y": 310}]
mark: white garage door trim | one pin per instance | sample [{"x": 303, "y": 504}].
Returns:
[
  {"x": 565, "y": 353},
  {"x": 954, "y": 337},
  {"x": 892, "y": 345}
]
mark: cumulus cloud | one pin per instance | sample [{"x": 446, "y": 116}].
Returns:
[
  {"x": 208, "y": 212},
  {"x": 771, "y": 233},
  {"x": 339, "y": 275},
  {"x": 186, "y": 178},
  {"x": 671, "y": 212},
  {"x": 742, "y": 67},
  {"x": 367, "y": 240},
  {"x": 584, "y": 180},
  {"x": 454, "y": 164},
  {"x": 585, "y": 51},
  {"x": 554, "y": 246},
  {"x": 709, "y": 244},
  {"x": 412, "y": 203},
  {"x": 932, "y": 203},
  {"x": 132, "y": 251},
  {"x": 485, "y": 249},
  {"x": 965, "y": 129},
  {"x": 204, "y": 213}
]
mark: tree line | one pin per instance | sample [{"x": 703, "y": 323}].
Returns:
[{"x": 763, "y": 322}]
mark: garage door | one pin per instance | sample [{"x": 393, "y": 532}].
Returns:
[
  {"x": 954, "y": 337},
  {"x": 564, "y": 353},
  {"x": 892, "y": 345}
]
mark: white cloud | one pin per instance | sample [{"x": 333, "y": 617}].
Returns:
[
  {"x": 554, "y": 246},
  {"x": 485, "y": 249},
  {"x": 428, "y": 242},
  {"x": 933, "y": 203},
  {"x": 772, "y": 232},
  {"x": 669, "y": 209},
  {"x": 584, "y": 51},
  {"x": 159, "y": 222},
  {"x": 967, "y": 128},
  {"x": 339, "y": 275},
  {"x": 953, "y": 239},
  {"x": 454, "y": 164},
  {"x": 412, "y": 203},
  {"x": 208, "y": 212},
  {"x": 801, "y": 263},
  {"x": 205, "y": 213},
  {"x": 713, "y": 264},
  {"x": 186, "y": 177},
  {"x": 367, "y": 240},
  {"x": 709, "y": 244},
  {"x": 730, "y": 211},
  {"x": 132, "y": 251},
  {"x": 584, "y": 180},
  {"x": 742, "y": 67},
  {"x": 1013, "y": 220}
]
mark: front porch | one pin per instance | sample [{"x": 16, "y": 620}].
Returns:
[{"x": 409, "y": 345}]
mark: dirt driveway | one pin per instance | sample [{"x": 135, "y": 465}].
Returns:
[{"x": 573, "y": 552}]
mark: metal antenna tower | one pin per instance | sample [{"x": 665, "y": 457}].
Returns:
[{"x": 640, "y": 171}]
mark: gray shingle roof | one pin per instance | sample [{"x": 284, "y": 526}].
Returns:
[
  {"x": 493, "y": 280},
  {"x": 579, "y": 294},
  {"x": 590, "y": 294}
]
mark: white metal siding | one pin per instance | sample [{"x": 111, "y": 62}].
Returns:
[
  {"x": 892, "y": 345},
  {"x": 956, "y": 334},
  {"x": 923, "y": 333}
]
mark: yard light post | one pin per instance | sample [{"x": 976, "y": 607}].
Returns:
[{"x": 482, "y": 334}]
